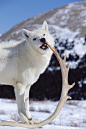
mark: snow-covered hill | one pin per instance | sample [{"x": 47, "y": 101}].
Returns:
[
  {"x": 72, "y": 115},
  {"x": 68, "y": 21}
]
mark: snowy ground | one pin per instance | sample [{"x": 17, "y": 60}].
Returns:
[{"x": 72, "y": 115}]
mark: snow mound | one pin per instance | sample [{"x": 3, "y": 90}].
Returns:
[{"x": 72, "y": 115}]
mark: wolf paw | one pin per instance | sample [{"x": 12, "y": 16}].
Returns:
[{"x": 30, "y": 122}]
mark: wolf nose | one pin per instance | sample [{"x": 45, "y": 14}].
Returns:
[{"x": 43, "y": 40}]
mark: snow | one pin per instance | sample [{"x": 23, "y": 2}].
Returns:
[
  {"x": 16, "y": 32},
  {"x": 64, "y": 33},
  {"x": 80, "y": 49},
  {"x": 72, "y": 115},
  {"x": 84, "y": 82}
]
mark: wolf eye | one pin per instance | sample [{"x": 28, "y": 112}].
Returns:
[
  {"x": 43, "y": 34},
  {"x": 34, "y": 39}
]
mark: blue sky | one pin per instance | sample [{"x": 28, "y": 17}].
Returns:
[{"x": 14, "y": 11}]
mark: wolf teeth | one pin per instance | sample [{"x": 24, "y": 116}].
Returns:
[{"x": 44, "y": 46}]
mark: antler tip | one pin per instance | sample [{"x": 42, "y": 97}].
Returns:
[
  {"x": 68, "y": 97},
  {"x": 73, "y": 84},
  {"x": 65, "y": 56},
  {"x": 66, "y": 53},
  {"x": 68, "y": 66}
]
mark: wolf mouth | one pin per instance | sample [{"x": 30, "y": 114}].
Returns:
[{"x": 44, "y": 46}]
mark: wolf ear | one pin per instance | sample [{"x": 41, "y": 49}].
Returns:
[
  {"x": 45, "y": 26},
  {"x": 26, "y": 33}
]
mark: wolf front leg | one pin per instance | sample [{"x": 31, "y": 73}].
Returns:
[
  {"x": 27, "y": 106},
  {"x": 19, "y": 92}
]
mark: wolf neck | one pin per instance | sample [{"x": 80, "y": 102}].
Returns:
[{"x": 37, "y": 59}]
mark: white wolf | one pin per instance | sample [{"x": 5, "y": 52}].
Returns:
[{"x": 22, "y": 63}]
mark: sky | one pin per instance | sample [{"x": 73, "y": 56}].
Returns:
[{"x": 14, "y": 11}]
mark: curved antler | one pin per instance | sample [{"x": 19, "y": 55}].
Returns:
[{"x": 63, "y": 98}]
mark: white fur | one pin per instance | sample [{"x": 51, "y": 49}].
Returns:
[{"x": 22, "y": 63}]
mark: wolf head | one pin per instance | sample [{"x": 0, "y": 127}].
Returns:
[{"x": 38, "y": 39}]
